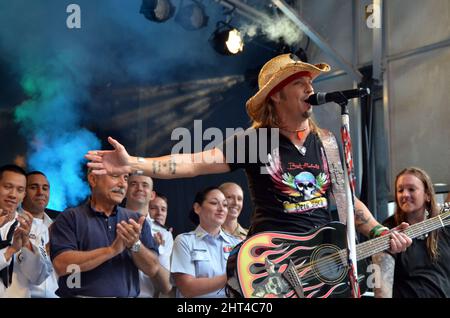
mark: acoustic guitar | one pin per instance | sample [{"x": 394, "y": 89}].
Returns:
[{"x": 309, "y": 265}]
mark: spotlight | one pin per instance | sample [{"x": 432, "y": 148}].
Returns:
[
  {"x": 226, "y": 39},
  {"x": 157, "y": 10},
  {"x": 192, "y": 16}
]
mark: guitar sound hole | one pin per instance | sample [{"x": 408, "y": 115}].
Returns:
[{"x": 328, "y": 264}]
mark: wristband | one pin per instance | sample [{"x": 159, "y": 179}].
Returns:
[
  {"x": 378, "y": 231},
  {"x": 140, "y": 172}
]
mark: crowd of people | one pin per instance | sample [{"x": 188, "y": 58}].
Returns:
[{"x": 116, "y": 244}]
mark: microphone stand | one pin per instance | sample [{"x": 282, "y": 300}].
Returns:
[{"x": 349, "y": 184}]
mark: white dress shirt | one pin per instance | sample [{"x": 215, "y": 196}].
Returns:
[
  {"x": 40, "y": 237},
  {"x": 30, "y": 267}
]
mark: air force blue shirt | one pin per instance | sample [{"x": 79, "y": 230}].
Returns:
[
  {"x": 200, "y": 254},
  {"x": 83, "y": 229}
]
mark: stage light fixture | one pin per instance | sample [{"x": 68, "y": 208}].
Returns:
[
  {"x": 226, "y": 39},
  {"x": 157, "y": 10},
  {"x": 192, "y": 16}
]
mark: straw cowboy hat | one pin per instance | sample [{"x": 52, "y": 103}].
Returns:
[{"x": 277, "y": 70}]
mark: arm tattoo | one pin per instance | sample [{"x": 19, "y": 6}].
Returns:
[
  {"x": 360, "y": 218},
  {"x": 386, "y": 263},
  {"x": 172, "y": 167},
  {"x": 156, "y": 167}
]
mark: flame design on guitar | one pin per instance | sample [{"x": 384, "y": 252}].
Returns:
[
  {"x": 314, "y": 264},
  {"x": 264, "y": 258}
]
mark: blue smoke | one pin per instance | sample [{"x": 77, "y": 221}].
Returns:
[
  {"x": 59, "y": 67},
  {"x": 50, "y": 120}
]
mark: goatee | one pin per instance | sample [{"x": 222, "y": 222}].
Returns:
[{"x": 307, "y": 113}]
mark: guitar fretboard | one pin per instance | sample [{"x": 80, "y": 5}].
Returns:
[{"x": 381, "y": 243}]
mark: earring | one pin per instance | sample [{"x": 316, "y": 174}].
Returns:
[{"x": 426, "y": 214}]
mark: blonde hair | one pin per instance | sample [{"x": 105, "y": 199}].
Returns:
[{"x": 431, "y": 207}]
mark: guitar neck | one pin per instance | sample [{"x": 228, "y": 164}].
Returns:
[{"x": 381, "y": 243}]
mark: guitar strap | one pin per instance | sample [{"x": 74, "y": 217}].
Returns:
[{"x": 336, "y": 173}]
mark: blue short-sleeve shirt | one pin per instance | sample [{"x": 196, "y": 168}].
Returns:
[
  {"x": 200, "y": 254},
  {"x": 84, "y": 229}
]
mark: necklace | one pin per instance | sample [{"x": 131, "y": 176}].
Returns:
[{"x": 299, "y": 133}]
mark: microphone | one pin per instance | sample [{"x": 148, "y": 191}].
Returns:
[{"x": 322, "y": 98}]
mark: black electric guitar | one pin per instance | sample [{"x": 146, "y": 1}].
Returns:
[{"x": 311, "y": 265}]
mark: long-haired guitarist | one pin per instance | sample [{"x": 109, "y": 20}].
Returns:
[
  {"x": 282, "y": 154},
  {"x": 423, "y": 270}
]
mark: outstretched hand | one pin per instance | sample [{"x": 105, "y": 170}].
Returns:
[{"x": 112, "y": 162}]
